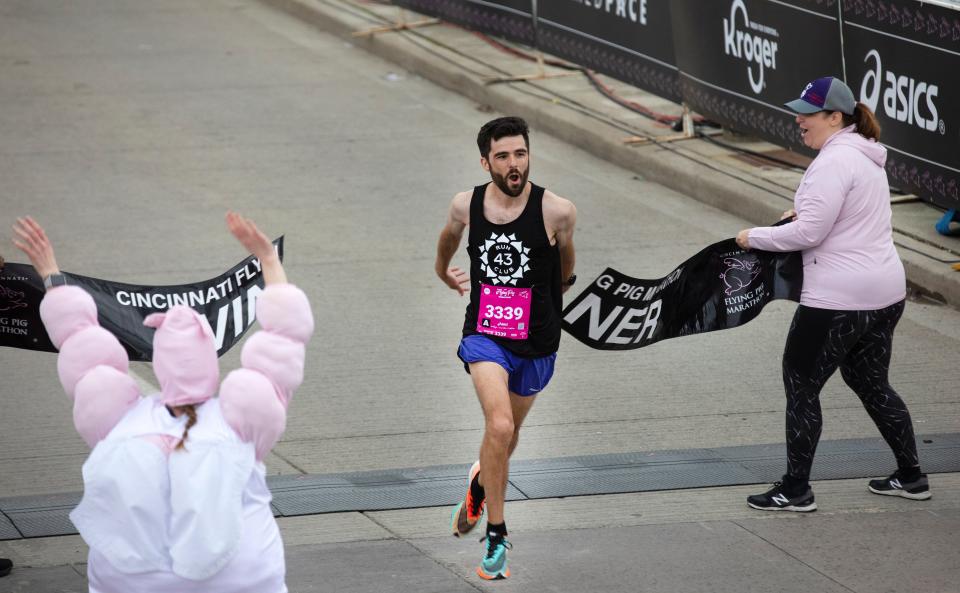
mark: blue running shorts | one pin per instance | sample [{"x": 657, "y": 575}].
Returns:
[{"x": 527, "y": 376}]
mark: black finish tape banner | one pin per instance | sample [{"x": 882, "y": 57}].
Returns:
[
  {"x": 903, "y": 61},
  {"x": 720, "y": 287},
  {"x": 21, "y": 291},
  {"x": 511, "y": 19},
  {"x": 631, "y": 40},
  {"x": 740, "y": 60},
  {"x": 228, "y": 302}
]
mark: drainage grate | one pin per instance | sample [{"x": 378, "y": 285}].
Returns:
[
  {"x": 41, "y": 516},
  {"x": 374, "y": 490},
  {"x": 535, "y": 478}
]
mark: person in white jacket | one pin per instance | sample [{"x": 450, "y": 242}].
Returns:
[
  {"x": 175, "y": 497},
  {"x": 853, "y": 295}
]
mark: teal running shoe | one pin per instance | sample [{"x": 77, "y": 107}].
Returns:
[{"x": 494, "y": 563}]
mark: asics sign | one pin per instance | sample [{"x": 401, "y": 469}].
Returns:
[
  {"x": 904, "y": 99},
  {"x": 751, "y": 42}
]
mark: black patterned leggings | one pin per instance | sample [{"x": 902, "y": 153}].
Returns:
[{"x": 859, "y": 343}]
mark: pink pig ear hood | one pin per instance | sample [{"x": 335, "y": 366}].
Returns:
[{"x": 184, "y": 356}]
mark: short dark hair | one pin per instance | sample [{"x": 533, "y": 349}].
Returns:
[{"x": 501, "y": 128}]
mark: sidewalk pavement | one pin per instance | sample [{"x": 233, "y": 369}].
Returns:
[
  {"x": 713, "y": 170},
  {"x": 690, "y": 541}
]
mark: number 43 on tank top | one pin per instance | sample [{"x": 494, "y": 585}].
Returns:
[{"x": 504, "y": 311}]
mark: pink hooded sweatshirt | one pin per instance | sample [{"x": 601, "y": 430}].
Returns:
[{"x": 843, "y": 228}]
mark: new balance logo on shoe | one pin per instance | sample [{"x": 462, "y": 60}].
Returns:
[
  {"x": 917, "y": 489},
  {"x": 776, "y": 499}
]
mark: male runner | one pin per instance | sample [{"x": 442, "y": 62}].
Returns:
[{"x": 521, "y": 259}]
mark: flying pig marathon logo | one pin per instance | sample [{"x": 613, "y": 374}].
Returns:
[
  {"x": 11, "y": 299},
  {"x": 738, "y": 275},
  {"x": 503, "y": 259}
]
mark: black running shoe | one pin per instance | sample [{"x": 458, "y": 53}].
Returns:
[
  {"x": 918, "y": 489},
  {"x": 776, "y": 500},
  {"x": 5, "y": 567}
]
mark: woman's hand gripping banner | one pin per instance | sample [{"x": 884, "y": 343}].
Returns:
[{"x": 720, "y": 287}]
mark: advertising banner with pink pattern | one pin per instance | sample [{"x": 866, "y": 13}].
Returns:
[{"x": 736, "y": 62}]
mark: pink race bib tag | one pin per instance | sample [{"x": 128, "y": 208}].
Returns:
[{"x": 504, "y": 311}]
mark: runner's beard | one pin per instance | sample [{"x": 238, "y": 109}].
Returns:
[{"x": 506, "y": 186}]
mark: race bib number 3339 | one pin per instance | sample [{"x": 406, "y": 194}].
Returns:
[{"x": 504, "y": 311}]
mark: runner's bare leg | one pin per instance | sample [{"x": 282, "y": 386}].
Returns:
[{"x": 503, "y": 413}]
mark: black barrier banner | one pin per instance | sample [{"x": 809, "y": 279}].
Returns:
[
  {"x": 903, "y": 61},
  {"x": 720, "y": 287},
  {"x": 740, "y": 60},
  {"x": 631, "y": 40},
  {"x": 21, "y": 291},
  {"x": 512, "y": 19},
  {"x": 228, "y": 302}
]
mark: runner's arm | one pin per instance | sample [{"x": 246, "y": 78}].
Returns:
[
  {"x": 449, "y": 241},
  {"x": 562, "y": 216}
]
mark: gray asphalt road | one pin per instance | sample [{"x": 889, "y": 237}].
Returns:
[{"x": 129, "y": 129}]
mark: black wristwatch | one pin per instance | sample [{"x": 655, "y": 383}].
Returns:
[
  {"x": 571, "y": 280},
  {"x": 54, "y": 280}
]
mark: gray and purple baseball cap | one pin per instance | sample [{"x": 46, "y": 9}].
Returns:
[{"x": 824, "y": 94}]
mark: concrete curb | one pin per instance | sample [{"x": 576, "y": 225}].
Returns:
[{"x": 756, "y": 201}]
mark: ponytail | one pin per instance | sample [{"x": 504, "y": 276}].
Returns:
[
  {"x": 865, "y": 120},
  {"x": 191, "y": 412}
]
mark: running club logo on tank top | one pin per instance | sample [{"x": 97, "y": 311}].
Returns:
[
  {"x": 504, "y": 309},
  {"x": 503, "y": 259}
]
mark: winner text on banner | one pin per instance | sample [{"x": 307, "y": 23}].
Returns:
[{"x": 720, "y": 287}]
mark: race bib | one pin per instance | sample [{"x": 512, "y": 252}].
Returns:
[{"x": 504, "y": 311}]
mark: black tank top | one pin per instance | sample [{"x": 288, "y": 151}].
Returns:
[{"x": 517, "y": 254}]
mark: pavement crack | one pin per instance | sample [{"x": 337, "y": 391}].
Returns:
[
  {"x": 785, "y": 552},
  {"x": 289, "y": 462},
  {"x": 423, "y": 552},
  {"x": 82, "y": 572}
]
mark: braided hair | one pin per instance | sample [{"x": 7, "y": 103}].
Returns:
[{"x": 191, "y": 411}]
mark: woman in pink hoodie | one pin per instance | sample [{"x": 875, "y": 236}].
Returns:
[
  {"x": 175, "y": 496},
  {"x": 853, "y": 292}
]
